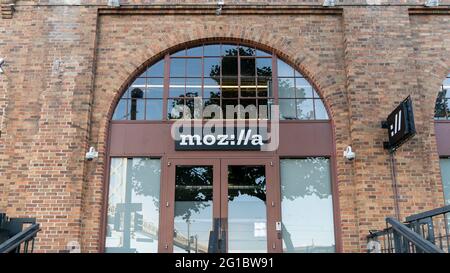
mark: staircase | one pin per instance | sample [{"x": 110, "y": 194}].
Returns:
[
  {"x": 426, "y": 232},
  {"x": 16, "y": 234}
]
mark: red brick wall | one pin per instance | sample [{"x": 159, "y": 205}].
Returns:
[{"x": 66, "y": 67}]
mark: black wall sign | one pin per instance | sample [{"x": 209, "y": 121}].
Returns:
[
  {"x": 238, "y": 139},
  {"x": 400, "y": 124}
]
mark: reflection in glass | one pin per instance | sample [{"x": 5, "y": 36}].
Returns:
[
  {"x": 133, "y": 205},
  {"x": 137, "y": 107},
  {"x": 193, "y": 208},
  {"x": 230, "y": 72},
  {"x": 284, "y": 70},
  {"x": 305, "y": 109},
  {"x": 121, "y": 110},
  {"x": 247, "y": 231},
  {"x": 286, "y": 88},
  {"x": 287, "y": 109},
  {"x": 442, "y": 106},
  {"x": 445, "y": 174},
  {"x": 319, "y": 109},
  {"x": 307, "y": 207},
  {"x": 264, "y": 67}
]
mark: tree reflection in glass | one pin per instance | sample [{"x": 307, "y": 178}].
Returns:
[
  {"x": 133, "y": 205},
  {"x": 247, "y": 230},
  {"x": 193, "y": 208},
  {"x": 307, "y": 207}
]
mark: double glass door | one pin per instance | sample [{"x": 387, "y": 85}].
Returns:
[{"x": 221, "y": 205}]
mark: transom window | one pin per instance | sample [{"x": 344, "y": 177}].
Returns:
[
  {"x": 442, "y": 109},
  {"x": 223, "y": 75}
]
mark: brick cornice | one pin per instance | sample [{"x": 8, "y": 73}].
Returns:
[
  {"x": 430, "y": 11},
  {"x": 226, "y": 10}
]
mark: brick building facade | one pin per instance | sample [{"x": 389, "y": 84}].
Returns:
[{"x": 68, "y": 62}]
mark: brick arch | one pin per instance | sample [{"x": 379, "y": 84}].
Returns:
[
  {"x": 305, "y": 61},
  {"x": 296, "y": 63},
  {"x": 438, "y": 74}
]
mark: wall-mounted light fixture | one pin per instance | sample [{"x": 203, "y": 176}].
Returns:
[
  {"x": 91, "y": 154},
  {"x": 220, "y": 4},
  {"x": 2, "y": 61},
  {"x": 349, "y": 154}
]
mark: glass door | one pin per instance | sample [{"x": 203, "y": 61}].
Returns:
[
  {"x": 221, "y": 205},
  {"x": 193, "y": 204},
  {"x": 249, "y": 206}
]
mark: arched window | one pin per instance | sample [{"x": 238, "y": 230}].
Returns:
[
  {"x": 442, "y": 108},
  {"x": 221, "y": 75},
  {"x": 442, "y": 114}
]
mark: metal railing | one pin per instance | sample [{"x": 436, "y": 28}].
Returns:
[
  {"x": 20, "y": 234},
  {"x": 426, "y": 232}
]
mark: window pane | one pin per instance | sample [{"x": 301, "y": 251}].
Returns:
[
  {"x": 284, "y": 70},
  {"x": 248, "y": 87},
  {"x": 264, "y": 67},
  {"x": 229, "y": 50},
  {"x": 193, "y": 87},
  {"x": 248, "y": 67},
  {"x": 229, "y": 87},
  {"x": 440, "y": 109},
  {"x": 156, "y": 70},
  {"x": 175, "y": 108},
  {"x": 176, "y": 87},
  {"x": 305, "y": 109},
  {"x": 154, "y": 110},
  {"x": 263, "y": 109},
  {"x": 307, "y": 206},
  {"x": 195, "y": 108},
  {"x": 212, "y": 67},
  {"x": 229, "y": 66},
  {"x": 194, "y": 67},
  {"x": 211, "y": 108},
  {"x": 229, "y": 108},
  {"x": 177, "y": 67},
  {"x": 195, "y": 51},
  {"x": 155, "y": 88},
  {"x": 250, "y": 109},
  {"x": 286, "y": 88},
  {"x": 264, "y": 88},
  {"x": 133, "y": 205},
  {"x": 137, "y": 109},
  {"x": 320, "y": 111},
  {"x": 179, "y": 53},
  {"x": 138, "y": 83},
  {"x": 262, "y": 53},
  {"x": 193, "y": 208},
  {"x": 212, "y": 50},
  {"x": 287, "y": 109},
  {"x": 303, "y": 88},
  {"x": 445, "y": 173},
  {"x": 247, "y": 219},
  {"x": 121, "y": 110},
  {"x": 447, "y": 106},
  {"x": 246, "y": 51}
]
